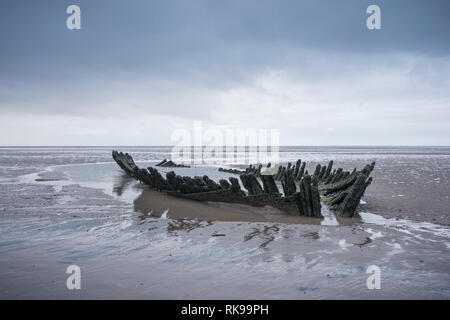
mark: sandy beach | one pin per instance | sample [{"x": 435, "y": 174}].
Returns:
[{"x": 77, "y": 207}]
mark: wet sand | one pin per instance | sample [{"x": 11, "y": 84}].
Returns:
[
  {"x": 115, "y": 229},
  {"x": 139, "y": 257},
  {"x": 417, "y": 191}
]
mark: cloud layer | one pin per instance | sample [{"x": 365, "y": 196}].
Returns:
[{"x": 137, "y": 71}]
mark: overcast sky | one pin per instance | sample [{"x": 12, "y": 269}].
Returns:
[{"x": 138, "y": 70}]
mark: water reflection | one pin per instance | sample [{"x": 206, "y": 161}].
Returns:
[
  {"x": 186, "y": 225},
  {"x": 121, "y": 183},
  {"x": 267, "y": 234},
  {"x": 313, "y": 235}
]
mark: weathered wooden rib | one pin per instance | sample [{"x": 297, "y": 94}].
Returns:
[
  {"x": 341, "y": 190},
  {"x": 251, "y": 169},
  {"x": 170, "y": 164},
  {"x": 234, "y": 171},
  {"x": 125, "y": 161}
]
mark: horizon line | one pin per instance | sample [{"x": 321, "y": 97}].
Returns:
[{"x": 169, "y": 146}]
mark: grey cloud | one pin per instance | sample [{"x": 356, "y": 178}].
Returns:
[{"x": 177, "y": 61}]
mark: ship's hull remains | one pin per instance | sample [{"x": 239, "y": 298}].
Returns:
[{"x": 341, "y": 191}]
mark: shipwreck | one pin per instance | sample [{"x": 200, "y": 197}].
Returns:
[{"x": 303, "y": 194}]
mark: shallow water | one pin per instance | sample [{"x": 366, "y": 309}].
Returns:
[{"x": 82, "y": 211}]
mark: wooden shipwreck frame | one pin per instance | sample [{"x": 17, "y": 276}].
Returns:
[{"x": 302, "y": 194}]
